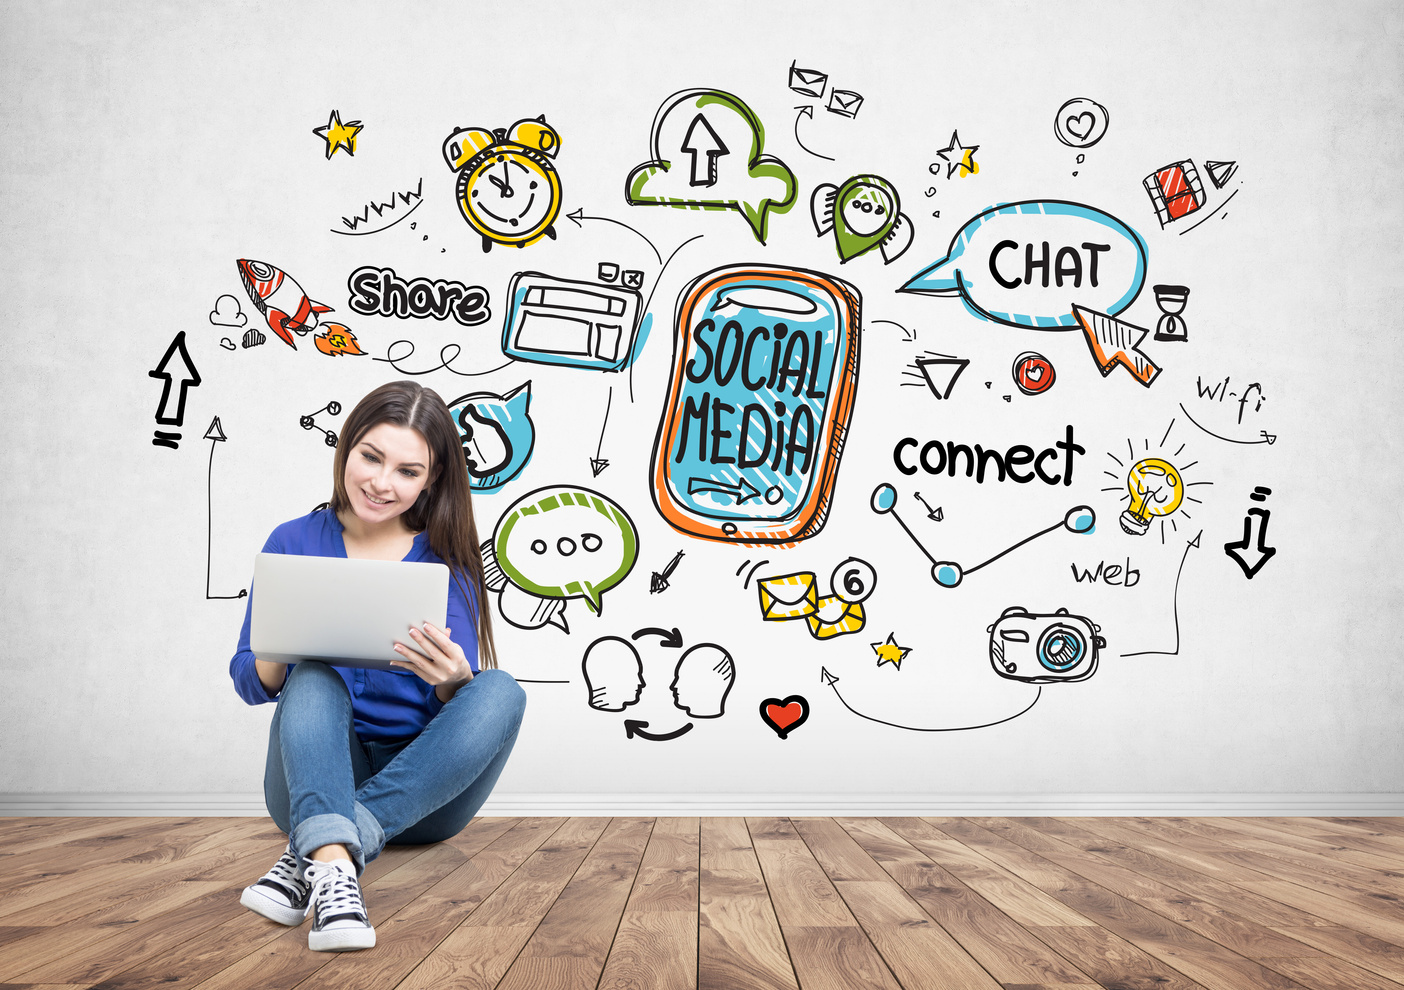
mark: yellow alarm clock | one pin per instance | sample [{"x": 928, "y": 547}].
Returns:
[{"x": 508, "y": 189}]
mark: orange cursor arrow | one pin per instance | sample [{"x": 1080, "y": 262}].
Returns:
[{"x": 1114, "y": 342}]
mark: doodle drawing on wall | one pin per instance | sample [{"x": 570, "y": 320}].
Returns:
[
  {"x": 590, "y": 325},
  {"x": 1026, "y": 264},
  {"x": 708, "y": 153},
  {"x": 175, "y": 365},
  {"x": 281, "y": 300},
  {"x": 508, "y": 188},
  {"x": 562, "y": 542},
  {"x": 863, "y": 213},
  {"x": 753, "y": 429},
  {"x": 497, "y": 434}
]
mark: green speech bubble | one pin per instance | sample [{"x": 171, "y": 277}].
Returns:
[{"x": 565, "y": 542}]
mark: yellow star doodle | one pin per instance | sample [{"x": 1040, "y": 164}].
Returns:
[
  {"x": 338, "y": 135},
  {"x": 890, "y": 652}
]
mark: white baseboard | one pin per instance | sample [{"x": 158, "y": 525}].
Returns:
[{"x": 783, "y": 805}]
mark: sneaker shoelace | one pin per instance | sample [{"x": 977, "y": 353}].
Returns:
[
  {"x": 338, "y": 897},
  {"x": 284, "y": 875}
]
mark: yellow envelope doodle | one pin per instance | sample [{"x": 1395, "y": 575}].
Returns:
[
  {"x": 808, "y": 82},
  {"x": 788, "y": 596},
  {"x": 845, "y": 102},
  {"x": 835, "y": 617}
]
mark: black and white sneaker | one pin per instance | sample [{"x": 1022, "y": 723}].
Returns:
[
  {"x": 339, "y": 920},
  {"x": 281, "y": 895}
]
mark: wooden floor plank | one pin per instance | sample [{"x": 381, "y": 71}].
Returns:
[
  {"x": 483, "y": 947},
  {"x": 655, "y": 947},
  {"x": 1327, "y": 973},
  {"x": 740, "y": 946},
  {"x": 1005, "y": 949},
  {"x": 1365, "y": 918},
  {"x": 827, "y": 946},
  {"x": 1364, "y": 951},
  {"x": 83, "y": 935},
  {"x": 1134, "y": 903},
  {"x": 1112, "y": 961},
  {"x": 286, "y": 961},
  {"x": 1195, "y": 955},
  {"x": 246, "y": 933},
  {"x": 569, "y": 947},
  {"x": 1055, "y": 842},
  {"x": 917, "y": 950},
  {"x": 413, "y": 932},
  {"x": 1324, "y": 851},
  {"x": 1122, "y": 846}
]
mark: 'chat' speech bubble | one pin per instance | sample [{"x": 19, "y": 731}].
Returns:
[
  {"x": 564, "y": 542},
  {"x": 1026, "y": 264},
  {"x": 708, "y": 153}
]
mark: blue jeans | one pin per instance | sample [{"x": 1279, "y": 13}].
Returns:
[{"x": 323, "y": 785}]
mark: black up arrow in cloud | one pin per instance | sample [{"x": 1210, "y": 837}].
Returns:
[{"x": 705, "y": 148}]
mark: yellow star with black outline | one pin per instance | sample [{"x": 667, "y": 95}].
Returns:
[
  {"x": 889, "y": 652},
  {"x": 965, "y": 161},
  {"x": 339, "y": 135}
]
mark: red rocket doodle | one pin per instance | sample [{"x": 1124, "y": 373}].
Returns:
[{"x": 280, "y": 299}]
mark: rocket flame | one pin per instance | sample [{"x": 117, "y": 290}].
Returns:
[{"x": 337, "y": 340}]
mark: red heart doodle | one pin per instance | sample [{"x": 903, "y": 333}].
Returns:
[{"x": 784, "y": 715}]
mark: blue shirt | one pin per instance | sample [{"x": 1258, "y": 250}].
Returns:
[{"x": 386, "y": 704}]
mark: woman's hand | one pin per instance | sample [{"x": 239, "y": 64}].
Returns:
[{"x": 437, "y": 659}]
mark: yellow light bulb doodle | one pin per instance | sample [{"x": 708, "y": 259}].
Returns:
[{"x": 1156, "y": 490}]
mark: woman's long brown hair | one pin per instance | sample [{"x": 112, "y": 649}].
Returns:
[{"x": 445, "y": 507}]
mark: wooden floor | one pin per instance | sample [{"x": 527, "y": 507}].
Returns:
[{"x": 728, "y": 904}]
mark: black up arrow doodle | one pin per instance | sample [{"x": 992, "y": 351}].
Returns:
[
  {"x": 188, "y": 376},
  {"x": 1252, "y": 552}
]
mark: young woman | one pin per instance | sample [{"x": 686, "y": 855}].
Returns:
[{"x": 358, "y": 758}]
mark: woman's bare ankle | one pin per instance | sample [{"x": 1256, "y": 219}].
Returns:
[{"x": 329, "y": 853}]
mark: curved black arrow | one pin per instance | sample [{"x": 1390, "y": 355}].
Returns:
[
  {"x": 579, "y": 215},
  {"x": 1191, "y": 545},
  {"x": 831, "y": 680},
  {"x": 633, "y": 727},
  {"x": 671, "y": 637},
  {"x": 1267, "y": 437},
  {"x": 807, "y": 112}
]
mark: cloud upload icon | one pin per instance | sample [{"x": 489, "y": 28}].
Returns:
[{"x": 708, "y": 154}]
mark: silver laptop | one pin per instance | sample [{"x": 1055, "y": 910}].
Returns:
[{"x": 342, "y": 611}]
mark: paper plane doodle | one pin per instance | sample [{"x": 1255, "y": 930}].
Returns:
[
  {"x": 281, "y": 300},
  {"x": 1114, "y": 342},
  {"x": 1220, "y": 172}
]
